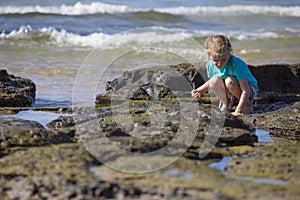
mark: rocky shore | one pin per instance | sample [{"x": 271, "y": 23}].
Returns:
[
  {"x": 15, "y": 91},
  {"x": 254, "y": 157}
]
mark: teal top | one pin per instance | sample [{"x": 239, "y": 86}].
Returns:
[{"x": 234, "y": 67}]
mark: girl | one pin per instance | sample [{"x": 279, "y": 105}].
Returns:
[{"x": 229, "y": 77}]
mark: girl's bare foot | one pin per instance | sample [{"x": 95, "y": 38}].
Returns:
[
  {"x": 246, "y": 110},
  {"x": 223, "y": 107}
]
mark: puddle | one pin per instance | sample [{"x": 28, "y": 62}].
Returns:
[
  {"x": 39, "y": 116},
  {"x": 173, "y": 172},
  {"x": 220, "y": 166},
  {"x": 186, "y": 174},
  {"x": 257, "y": 180},
  {"x": 263, "y": 136},
  {"x": 176, "y": 172},
  {"x": 94, "y": 170}
]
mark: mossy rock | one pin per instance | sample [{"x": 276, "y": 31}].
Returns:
[{"x": 281, "y": 123}]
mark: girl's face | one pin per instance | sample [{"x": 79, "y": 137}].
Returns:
[{"x": 220, "y": 60}]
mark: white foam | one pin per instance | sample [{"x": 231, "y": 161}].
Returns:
[
  {"x": 57, "y": 37},
  {"x": 155, "y": 36},
  {"x": 293, "y": 30},
  {"x": 231, "y": 9},
  {"x": 22, "y": 32},
  {"x": 76, "y": 9},
  {"x": 246, "y": 51},
  {"x": 97, "y": 7},
  {"x": 64, "y": 38},
  {"x": 241, "y": 35}
]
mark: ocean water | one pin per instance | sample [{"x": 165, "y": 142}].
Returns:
[{"x": 51, "y": 41}]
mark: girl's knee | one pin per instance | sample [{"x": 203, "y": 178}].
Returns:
[
  {"x": 231, "y": 82},
  {"x": 214, "y": 82}
]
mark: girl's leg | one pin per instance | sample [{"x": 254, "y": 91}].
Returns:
[
  {"x": 217, "y": 86},
  {"x": 233, "y": 87}
]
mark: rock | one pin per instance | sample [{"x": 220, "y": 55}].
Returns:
[
  {"x": 61, "y": 122},
  {"x": 4, "y": 77},
  {"x": 153, "y": 83},
  {"x": 19, "y": 132},
  {"x": 102, "y": 100},
  {"x": 15, "y": 91},
  {"x": 236, "y": 132},
  {"x": 277, "y": 77},
  {"x": 277, "y": 82},
  {"x": 63, "y": 125}
]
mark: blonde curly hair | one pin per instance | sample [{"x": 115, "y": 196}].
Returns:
[{"x": 217, "y": 45}]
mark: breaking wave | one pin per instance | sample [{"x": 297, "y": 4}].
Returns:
[{"x": 155, "y": 35}]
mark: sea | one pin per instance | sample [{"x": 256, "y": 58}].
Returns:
[{"x": 71, "y": 48}]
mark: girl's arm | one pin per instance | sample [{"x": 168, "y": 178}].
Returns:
[{"x": 200, "y": 90}]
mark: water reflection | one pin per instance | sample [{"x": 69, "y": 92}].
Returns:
[
  {"x": 221, "y": 166},
  {"x": 263, "y": 136},
  {"x": 39, "y": 116}
]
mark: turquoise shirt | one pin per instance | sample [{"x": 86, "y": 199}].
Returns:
[{"x": 234, "y": 67}]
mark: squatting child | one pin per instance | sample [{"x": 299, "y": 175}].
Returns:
[{"x": 229, "y": 77}]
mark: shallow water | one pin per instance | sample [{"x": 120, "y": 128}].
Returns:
[
  {"x": 263, "y": 136},
  {"x": 221, "y": 166},
  {"x": 176, "y": 172},
  {"x": 39, "y": 116}
]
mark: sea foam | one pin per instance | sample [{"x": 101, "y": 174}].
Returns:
[
  {"x": 76, "y": 9},
  {"x": 138, "y": 37}
]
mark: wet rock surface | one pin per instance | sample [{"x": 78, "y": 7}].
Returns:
[
  {"x": 15, "y": 91},
  {"x": 72, "y": 157},
  {"x": 19, "y": 132},
  {"x": 281, "y": 123}
]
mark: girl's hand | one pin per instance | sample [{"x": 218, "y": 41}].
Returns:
[{"x": 196, "y": 94}]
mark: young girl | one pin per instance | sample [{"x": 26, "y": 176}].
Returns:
[{"x": 229, "y": 77}]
